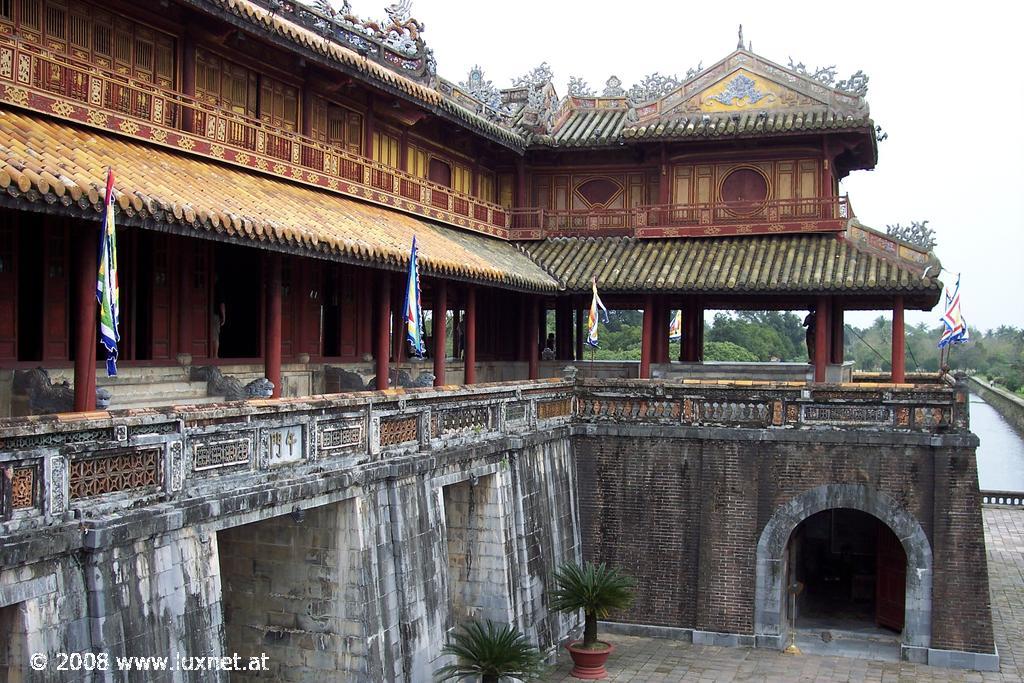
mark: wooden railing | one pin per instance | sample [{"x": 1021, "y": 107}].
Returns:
[
  {"x": 817, "y": 214},
  {"x": 33, "y": 78}
]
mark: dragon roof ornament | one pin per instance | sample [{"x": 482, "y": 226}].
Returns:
[
  {"x": 856, "y": 84},
  {"x": 396, "y": 41}
]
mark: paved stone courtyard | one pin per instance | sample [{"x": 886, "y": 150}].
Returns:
[{"x": 642, "y": 660}]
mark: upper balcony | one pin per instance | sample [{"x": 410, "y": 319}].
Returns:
[
  {"x": 33, "y": 78},
  {"x": 817, "y": 214}
]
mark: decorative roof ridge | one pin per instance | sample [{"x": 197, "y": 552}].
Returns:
[
  {"x": 253, "y": 13},
  {"x": 899, "y": 252}
]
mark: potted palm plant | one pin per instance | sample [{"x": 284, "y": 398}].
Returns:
[
  {"x": 490, "y": 651},
  {"x": 598, "y": 590}
]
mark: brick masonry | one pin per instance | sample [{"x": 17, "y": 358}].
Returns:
[{"x": 684, "y": 515}]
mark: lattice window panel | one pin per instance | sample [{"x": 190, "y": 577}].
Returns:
[
  {"x": 516, "y": 412},
  {"x": 221, "y": 454},
  {"x": 124, "y": 471},
  {"x": 475, "y": 418},
  {"x": 55, "y": 439},
  {"x": 550, "y": 409},
  {"x": 398, "y": 430},
  {"x": 20, "y": 487},
  {"x": 340, "y": 436}
]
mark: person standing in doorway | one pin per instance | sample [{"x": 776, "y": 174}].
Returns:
[
  {"x": 218, "y": 316},
  {"x": 809, "y": 323}
]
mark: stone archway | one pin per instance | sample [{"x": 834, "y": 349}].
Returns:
[{"x": 771, "y": 548}]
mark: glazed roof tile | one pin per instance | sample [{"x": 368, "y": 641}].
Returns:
[
  {"x": 43, "y": 160},
  {"x": 824, "y": 264}
]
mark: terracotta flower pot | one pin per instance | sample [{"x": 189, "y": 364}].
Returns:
[{"x": 589, "y": 664}]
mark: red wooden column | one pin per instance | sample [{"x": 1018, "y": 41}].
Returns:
[
  {"x": 646, "y": 340},
  {"x": 185, "y": 265},
  {"x": 440, "y": 316},
  {"x": 383, "y": 328},
  {"x": 532, "y": 332},
  {"x": 838, "y": 331},
  {"x": 470, "y": 335},
  {"x": 821, "y": 331},
  {"x": 272, "y": 348},
  {"x": 899, "y": 364},
  {"x": 85, "y": 333}
]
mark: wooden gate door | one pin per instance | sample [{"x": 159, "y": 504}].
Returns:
[{"x": 890, "y": 580}]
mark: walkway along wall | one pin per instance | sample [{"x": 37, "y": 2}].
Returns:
[{"x": 1009, "y": 405}]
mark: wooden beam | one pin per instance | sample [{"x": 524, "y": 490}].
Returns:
[
  {"x": 438, "y": 330},
  {"x": 272, "y": 348},
  {"x": 85, "y": 332},
  {"x": 470, "y": 371},
  {"x": 383, "y": 328},
  {"x": 646, "y": 340},
  {"x": 899, "y": 346}
]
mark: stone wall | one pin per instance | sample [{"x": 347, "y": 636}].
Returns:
[
  {"x": 292, "y": 589},
  {"x": 1009, "y": 405}
]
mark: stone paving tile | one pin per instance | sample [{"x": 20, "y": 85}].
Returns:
[{"x": 655, "y": 660}]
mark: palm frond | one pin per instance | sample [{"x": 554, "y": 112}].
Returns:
[
  {"x": 490, "y": 650},
  {"x": 594, "y": 588}
]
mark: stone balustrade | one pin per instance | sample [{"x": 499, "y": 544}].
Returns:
[{"x": 59, "y": 466}]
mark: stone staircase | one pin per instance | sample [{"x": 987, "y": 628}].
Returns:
[{"x": 144, "y": 387}]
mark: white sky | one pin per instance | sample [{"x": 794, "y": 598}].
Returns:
[{"x": 946, "y": 86}]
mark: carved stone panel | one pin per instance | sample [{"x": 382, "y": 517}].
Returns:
[
  {"x": 398, "y": 430},
  {"x": 340, "y": 436},
  {"x": 282, "y": 445},
  {"x": 818, "y": 414},
  {"x": 551, "y": 409},
  {"x": 222, "y": 451},
  {"x": 123, "y": 470},
  {"x": 733, "y": 412}
]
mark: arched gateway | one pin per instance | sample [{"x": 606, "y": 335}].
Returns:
[{"x": 769, "y": 606}]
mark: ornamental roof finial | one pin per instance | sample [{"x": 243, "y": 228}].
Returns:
[{"x": 739, "y": 43}]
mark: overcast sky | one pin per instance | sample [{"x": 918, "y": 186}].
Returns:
[{"x": 946, "y": 85}]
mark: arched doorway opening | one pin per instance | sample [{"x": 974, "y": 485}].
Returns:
[
  {"x": 772, "y": 598},
  {"x": 849, "y": 570}
]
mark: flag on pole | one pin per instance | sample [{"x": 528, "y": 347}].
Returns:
[
  {"x": 596, "y": 305},
  {"x": 413, "y": 308},
  {"x": 675, "y": 328},
  {"x": 107, "y": 290},
  {"x": 954, "y": 326}
]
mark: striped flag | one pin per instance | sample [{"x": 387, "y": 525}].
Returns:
[
  {"x": 107, "y": 290},
  {"x": 675, "y": 328},
  {"x": 596, "y": 305},
  {"x": 413, "y": 308},
  {"x": 954, "y": 326}
]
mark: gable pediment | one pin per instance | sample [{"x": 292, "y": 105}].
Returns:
[{"x": 744, "y": 81}]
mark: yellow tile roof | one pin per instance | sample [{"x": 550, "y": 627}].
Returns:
[{"x": 45, "y": 160}]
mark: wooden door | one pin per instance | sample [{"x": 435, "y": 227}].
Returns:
[
  {"x": 55, "y": 290},
  {"x": 161, "y": 311},
  {"x": 348, "y": 305},
  {"x": 8, "y": 292},
  {"x": 890, "y": 580},
  {"x": 199, "y": 297}
]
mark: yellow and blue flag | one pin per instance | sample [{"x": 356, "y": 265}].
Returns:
[
  {"x": 413, "y": 311},
  {"x": 954, "y": 326},
  {"x": 675, "y": 328},
  {"x": 596, "y": 306},
  {"x": 107, "y": 290}
]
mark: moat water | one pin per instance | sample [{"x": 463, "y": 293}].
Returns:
[{"x": 1001, "y": 453}]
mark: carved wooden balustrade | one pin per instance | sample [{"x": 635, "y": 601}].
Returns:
[
  {"x": 817, "y": 214},
  {"x": 109, "y": 460},
  {"x": 57, "y": 85}
]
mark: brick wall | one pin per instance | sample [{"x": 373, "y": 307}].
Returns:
[{"x": 684, "y": 516}]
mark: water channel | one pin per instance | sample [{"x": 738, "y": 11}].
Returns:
[{"x": 1001, "y": 453}]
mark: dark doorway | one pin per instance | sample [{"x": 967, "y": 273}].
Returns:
[
  {"x": 30, "y": 292},
  {"x": 238, "y": 283},
  {"x": 851, "y": 570}
]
